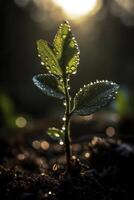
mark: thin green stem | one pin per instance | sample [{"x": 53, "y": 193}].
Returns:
[{"x": 67, "y": 127}]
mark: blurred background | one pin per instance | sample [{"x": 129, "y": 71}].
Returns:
[{"x": 104, "y": 30}]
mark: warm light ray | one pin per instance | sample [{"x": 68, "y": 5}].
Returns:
[{"x": 77, "y": 8}]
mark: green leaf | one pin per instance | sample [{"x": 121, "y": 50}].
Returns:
[
  {"x": 49, "y": 85},
  {"x": 48, "y": 58},
  {"x": 66, "y": 49},
  {"x": 94, "y": 96},
  {"x": 55, "y": 133}
]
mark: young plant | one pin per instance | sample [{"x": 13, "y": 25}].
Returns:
[{"x": 60, "y": 59}]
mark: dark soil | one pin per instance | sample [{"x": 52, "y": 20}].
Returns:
[{"x": 107, "y": 175}]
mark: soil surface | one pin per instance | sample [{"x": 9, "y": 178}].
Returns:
[{"x": 107, "y": 174}]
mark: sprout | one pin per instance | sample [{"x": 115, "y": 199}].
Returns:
[{"x": 61, "y": 60}]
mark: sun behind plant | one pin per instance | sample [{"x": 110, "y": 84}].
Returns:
[{"x": 61, "y": 59}]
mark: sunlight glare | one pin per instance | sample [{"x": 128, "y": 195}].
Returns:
[{"x": 76, "y": 9}]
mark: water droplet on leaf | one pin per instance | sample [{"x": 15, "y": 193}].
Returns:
[
  {"x": 63, "y": 36},
  {"x": 42, "y": 63}
]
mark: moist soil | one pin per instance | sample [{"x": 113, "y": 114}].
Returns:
[{"x": 107, "y": 174}]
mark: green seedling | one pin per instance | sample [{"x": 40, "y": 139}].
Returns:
[{"x": 61, "y": 59}]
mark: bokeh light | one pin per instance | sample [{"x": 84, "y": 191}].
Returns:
[
  {"x": 110, "y": 131},
  {"x": 45, "y": 145},
  {"x": 36, "y": 144},
  {"x": 77, "y": 9},
  {"x": 87, "y": 155},
  {"x": 57, "y": 10},
  {"x": 20, "y": 122}
]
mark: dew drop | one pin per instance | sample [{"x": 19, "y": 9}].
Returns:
[
  {"x": 74, "y": 72},
  {"x": 63, "y": 36},
  {"x": 64, "y": 118},
  {"x": 42, "y": 63},
  {"x": 61, "y": 81},
  {"x": 61, "y": 142},
  {"x": 64, "y": 103},
  {"x": 38, "y": 55},
  {"x": 54, "y": 72},
  {"x": 63, "y": 128},
  {"x": 66, "y": 21},
  {"x": 57, "y": 135}
]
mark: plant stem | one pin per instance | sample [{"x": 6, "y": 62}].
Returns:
[{"x": 67, "y": 128}]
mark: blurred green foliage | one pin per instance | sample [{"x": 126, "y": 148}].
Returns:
[{"x": 7, "y": 112}]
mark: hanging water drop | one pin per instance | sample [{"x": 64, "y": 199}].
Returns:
[
  {"x": 61, "y": 142},
  {"x": 64, "y": 103},
  {"x": 74, "y": 72},
  {"x": 64, "y": 118}
]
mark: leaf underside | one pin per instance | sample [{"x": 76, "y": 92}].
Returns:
[
  {"x": 66, "y": 49},
  {"x": 55, "y": 133},
  {"x": 49, "y": 85},
  {"x": 94, "y": 96}
]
